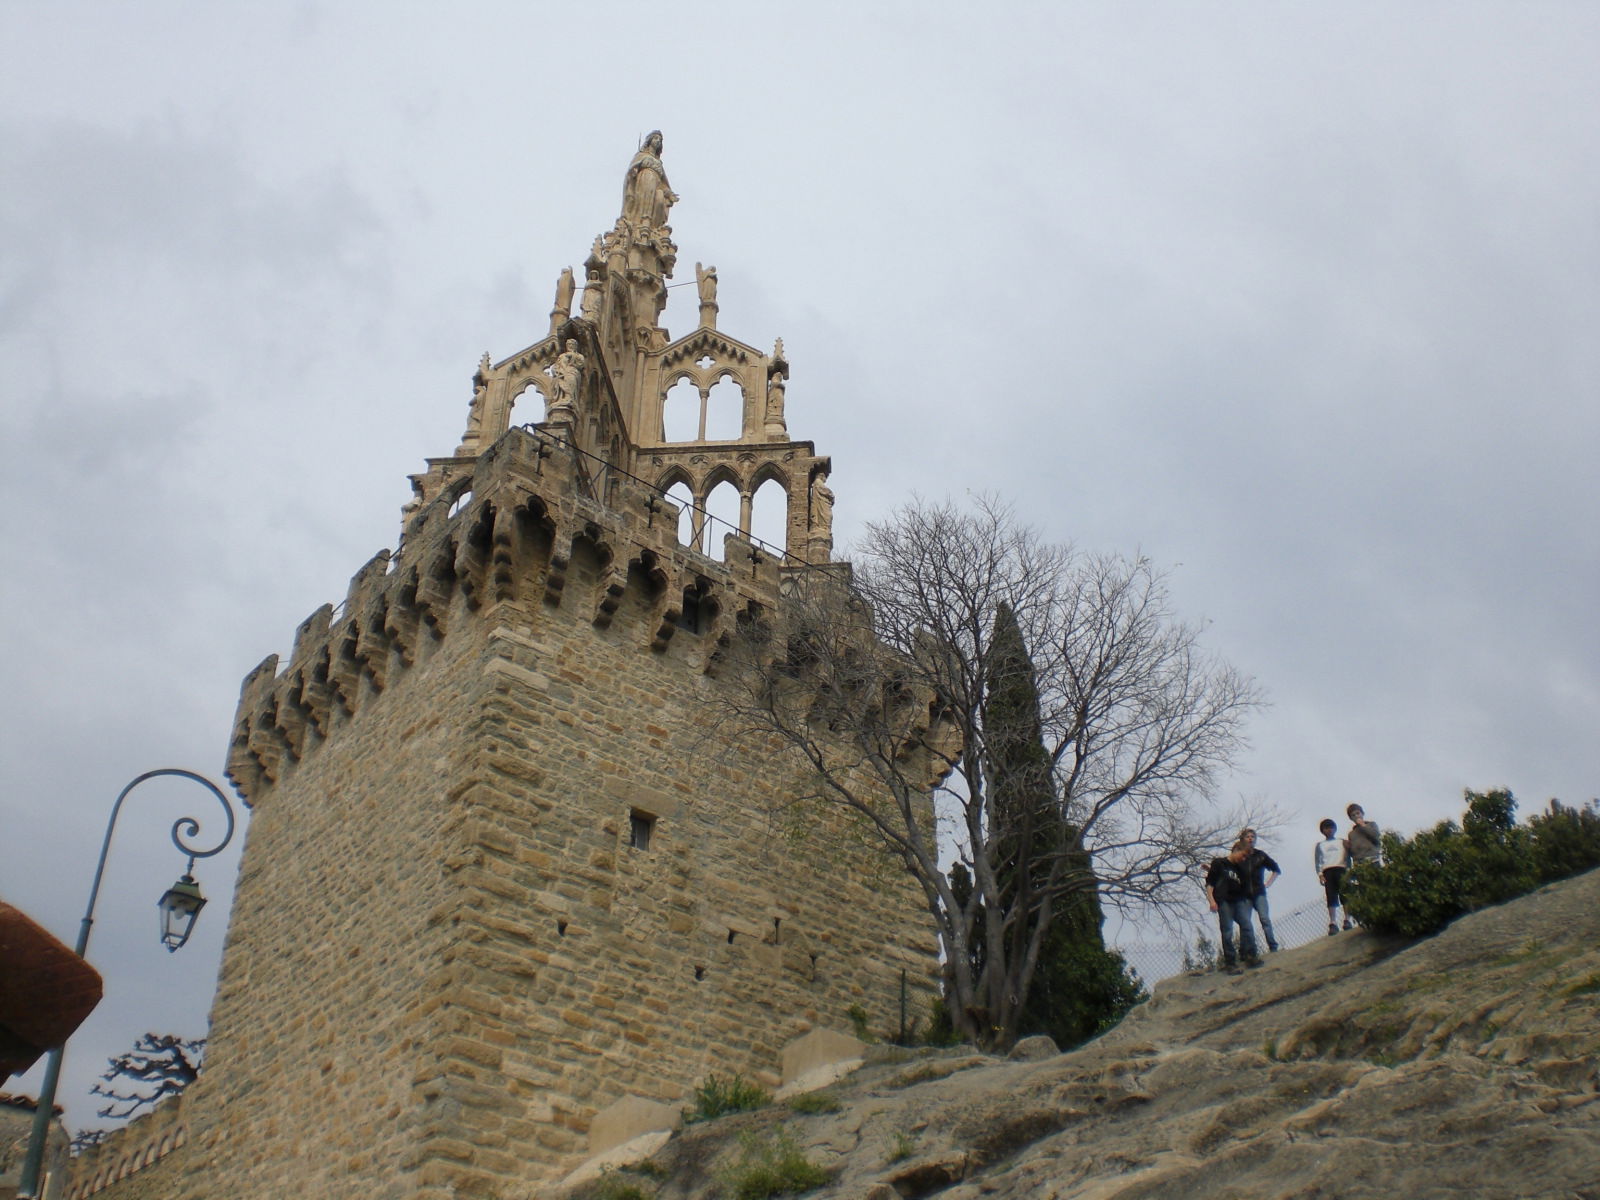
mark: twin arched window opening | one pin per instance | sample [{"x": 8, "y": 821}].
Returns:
[
  {"x": 704, "y": 521},
  {"x": 715, "y": 415}
]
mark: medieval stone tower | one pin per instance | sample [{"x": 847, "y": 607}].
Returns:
[{"x": 501, "y": 871}]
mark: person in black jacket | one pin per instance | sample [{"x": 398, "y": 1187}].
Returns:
[
  {"x": 1260, "y": 870},
  {"x": 1228, "y": 892}
]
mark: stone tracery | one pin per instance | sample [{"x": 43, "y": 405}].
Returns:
[{"x": 606, "y": 374}]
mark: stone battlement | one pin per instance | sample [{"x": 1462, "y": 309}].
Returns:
[
  {"x": 138, "y": 1146},
  {"x": 516, "y": 527}
]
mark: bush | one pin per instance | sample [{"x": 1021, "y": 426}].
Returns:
[
  {"x": 1081, "y": 990},
  {"x": 859, "y": 1025},
  {"x": 769, "y": 1167},
  {"x": 1203, "y": 958},
  {"x": 1425, "y": 882},
  {"x": 1566, "y": 841},
  {"x": 719, "y": 1095},
  {"x": 612, "y": 1186},
  {"x": 942, "y": 1029},
  {"x": 814, "y": 1102}
]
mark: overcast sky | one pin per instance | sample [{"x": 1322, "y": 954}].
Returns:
[{"x": 1299, "y": 300}]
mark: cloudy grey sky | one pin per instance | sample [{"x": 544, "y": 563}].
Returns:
[{"x": 1300, "y": 300}]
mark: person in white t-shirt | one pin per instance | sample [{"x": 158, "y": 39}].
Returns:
[{"x": 1332, "y": 860}]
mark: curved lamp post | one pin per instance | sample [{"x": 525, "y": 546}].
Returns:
[{"x": 179, "y": 907}]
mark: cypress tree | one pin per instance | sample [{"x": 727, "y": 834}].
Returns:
[{"x": 1079, "y": 987}]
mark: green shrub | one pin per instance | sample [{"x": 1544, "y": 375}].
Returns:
[
  {"x": 1083, "y": 989},
  {"x": 814, "y": 1102},
  {"x": 1425, "y": 882},
  {"x": 1203, "y": 958},
  {"x": 1566, "y": 841},
  {"x": 766, "y": 1167},
  {"x": 942, "y": 1030},
  {"x": 719, "y": 1095},
  {"x": 859, "y": 1025},
  {"x": 612, "y": 1186}
]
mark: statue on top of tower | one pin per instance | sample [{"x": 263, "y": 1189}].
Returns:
[
  {"x": 593, "y": 287},
  {"x": 567, "y": 376},
  {"x": 646, "y": 195}
]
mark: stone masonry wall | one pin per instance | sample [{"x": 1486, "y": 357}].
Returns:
[
  {"x": 337, "y": 947},
  {"x": 445, "y": 956},
  {"x": 602, "y": 969}
]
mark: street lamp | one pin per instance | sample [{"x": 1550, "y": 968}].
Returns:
[{"x": 179, "y": 907}]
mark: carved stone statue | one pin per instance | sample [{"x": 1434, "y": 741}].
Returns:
[
  {"x": 646, "y": 195},
  {"x": 564, "y": 289},
  {"x": 567, "y": 374},
  {"x": 615, "y": 245},
  {"x": 592, "y": 290},
  {"x": 705, "y": 279},
  {"x": 775, "y": 386},
  {"x": 480, "y": 396},
  {"x": 821, "y": 507}
]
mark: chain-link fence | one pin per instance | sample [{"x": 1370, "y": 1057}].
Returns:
[{"x": 1155, "y": 961}]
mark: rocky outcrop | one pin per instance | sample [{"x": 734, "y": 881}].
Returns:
[{"x": 1465, "y": 1065}]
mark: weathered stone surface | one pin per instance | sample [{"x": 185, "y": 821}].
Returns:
[
  {"x": 636, "y": 1149},
  {"x": 819, "y": 1048},
  {"x": 1030, "y": 1048},
  {"x": 627, "y": 1119},
  {"x": 1354, "y": 1068}
]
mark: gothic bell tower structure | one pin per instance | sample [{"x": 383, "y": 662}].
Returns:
[
  {"x": 603, "y": 378},
  {"x": 504, "y": 870}
]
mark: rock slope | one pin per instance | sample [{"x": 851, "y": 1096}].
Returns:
[{"x": 1464, "y": 1065}]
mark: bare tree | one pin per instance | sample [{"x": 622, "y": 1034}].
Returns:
[
  {"x": 87, "y": 1139},
  {"x": 166, "y": 1060},
  {"x": 884, "y": 680}
]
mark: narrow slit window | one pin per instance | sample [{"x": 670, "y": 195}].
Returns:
[{"x": 641, "y": 828}]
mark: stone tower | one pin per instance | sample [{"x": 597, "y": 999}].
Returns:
[{"x": 502, "y": 872}]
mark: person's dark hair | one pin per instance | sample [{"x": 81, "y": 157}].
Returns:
[
  {"x": 1352, "y": 809},
  {"x": 1329, "y": 824}
]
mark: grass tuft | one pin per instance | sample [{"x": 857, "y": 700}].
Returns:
[
  {"x": 767, "y": 1167},
  {"x": 814, "y": 1102},
  {"x": 719, "y": 1095},
  {"x": 902, "y": 1148}
]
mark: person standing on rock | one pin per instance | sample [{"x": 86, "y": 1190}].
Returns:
[
  {"x": 1360, "y": 846},
  {"x": 1228, "y": 892},
  {"x": 1260, "y": 870},
  {"x": 1362, "y": 842},
  {"x": 1332, "y": 858}
]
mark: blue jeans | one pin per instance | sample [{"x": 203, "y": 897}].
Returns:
[
  {"x": 1260, "y": 906},
  {"x": 1229, "y": 914}
]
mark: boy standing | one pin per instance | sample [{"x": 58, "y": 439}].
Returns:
[
  {"x": 1260, "y": 871},
  {"x": 1363, "y": 840},
  {"x": 1331, "y": 858},
  {"x": 1228, "y": 892}
]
